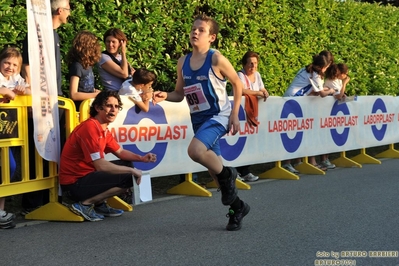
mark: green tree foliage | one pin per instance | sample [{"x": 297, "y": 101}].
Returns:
[
  {"x": 286, "y": 34},
  {"x": 382, "y": 2}
]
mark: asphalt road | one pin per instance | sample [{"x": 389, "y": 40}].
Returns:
[{"x": 341, "y": 217}]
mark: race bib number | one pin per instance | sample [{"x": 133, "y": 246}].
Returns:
[{"x": 195, "y": 98}]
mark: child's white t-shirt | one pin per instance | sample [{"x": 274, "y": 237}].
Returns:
[
  {"x": 128, "y": 89},
  {"x": 335, "y": 84},
  {"x": 12, "y": 82},
  {"x": 304, "y": 83}
]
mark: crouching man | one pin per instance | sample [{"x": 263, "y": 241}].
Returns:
[{"x": 85, "y": 176}]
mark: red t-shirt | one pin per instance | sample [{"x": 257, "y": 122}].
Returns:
[{"x": 88, "y": 142}]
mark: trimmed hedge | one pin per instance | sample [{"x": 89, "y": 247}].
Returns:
[{"x": 285, "y": 33}]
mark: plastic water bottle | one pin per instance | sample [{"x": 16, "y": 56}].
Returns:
[{"x": 347, "y": 99}]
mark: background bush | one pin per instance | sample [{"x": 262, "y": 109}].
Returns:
[{"x": 285, "y": 33}]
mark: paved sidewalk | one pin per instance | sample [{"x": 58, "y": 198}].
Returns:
[{"x": 290, "y": 223}]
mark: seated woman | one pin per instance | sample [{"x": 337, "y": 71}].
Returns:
[{"x": 113, "y": 67}]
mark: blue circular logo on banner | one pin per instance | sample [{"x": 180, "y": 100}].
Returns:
[
  {"x": 379, "y": 133},
  {"x": 157, "y": 115},
  {"x": 339, "y": 138},
  {"x": 291, "y": 107},
  {"x": 232, "y": 152}
]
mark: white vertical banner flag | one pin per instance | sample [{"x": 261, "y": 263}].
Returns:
[{"x": 43, "y": 79}]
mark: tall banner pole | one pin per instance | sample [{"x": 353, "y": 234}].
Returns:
[{"x": 43, "y": 79}]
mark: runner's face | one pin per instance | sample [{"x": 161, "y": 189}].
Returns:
[
  {"x": 112, "y": 45},
  {"x": 9, "y": 66},
  {"x": 199, "y": 35}
]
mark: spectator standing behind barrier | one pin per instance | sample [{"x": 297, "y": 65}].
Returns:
[
  {"x": 253, "y": 86},
  {"x": 82, "y": 56},
  {"x": 11, "y": 84},
  {"x": 85, "y": 176},
  {"x": 325, "y": 162},
  {"x": 139, "y": 88},
  {"x": 113, "y": 67},
  {"x": 308, "y": 81},
  {"x": 60, "y": 11},
  {"x": 201, "y": 79},
  {"x": 336, "y": 79}
]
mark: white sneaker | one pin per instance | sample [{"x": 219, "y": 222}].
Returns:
[
  {"x": 290, "y": 168},
  {"x": 250, "y": 177},
  {"x": 240, "y": 178},
  {"x": 6, "y": 217},
  {"x": 328, "y": 164}
]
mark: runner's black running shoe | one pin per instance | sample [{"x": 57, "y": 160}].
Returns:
[
  {"x": 228, "y": 187},
  {"x": 236, "y": 217}
]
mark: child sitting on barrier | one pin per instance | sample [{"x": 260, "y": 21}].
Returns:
[
  {"x": 139, "y": 88},
  {"x": 83, "y": 55},
  {"x": 11, "y": 84}
]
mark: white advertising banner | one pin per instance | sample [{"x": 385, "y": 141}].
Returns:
[
  {"x": 289, "y": 128},
  {"x": 43, "y": 79}
]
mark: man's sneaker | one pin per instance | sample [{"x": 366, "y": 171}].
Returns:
[
  {"x": 250, "y": 177},
  {"x": 228, "y": 187},
  {"x": 235, "y": 217},
  {"x": 290, "y": 168},
  {"x": 107, "y": 211},
  {"x": 6, "y": 217},
  {"x": 87, "y": 212},
  {"x": 328, "y": 164}
]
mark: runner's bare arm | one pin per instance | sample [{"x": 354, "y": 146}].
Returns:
[{"x": 178, "y": 94}]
